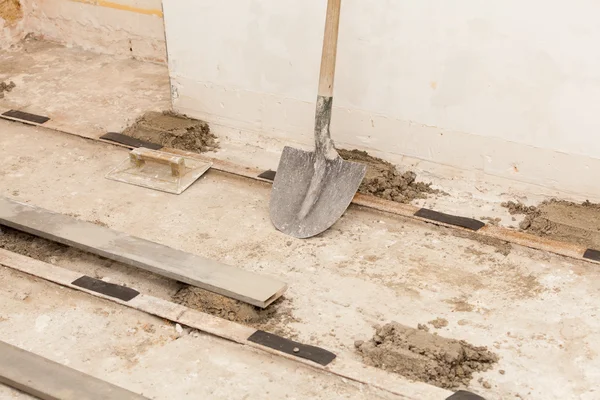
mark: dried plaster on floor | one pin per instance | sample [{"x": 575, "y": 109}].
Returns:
[{"x": 535, "y": 310}]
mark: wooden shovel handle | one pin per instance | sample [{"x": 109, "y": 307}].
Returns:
[{"x": 332, "y": 25}]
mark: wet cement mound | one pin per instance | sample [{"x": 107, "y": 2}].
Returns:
[
  {"x": 384, "y": 180},
  {"x": 173, "y": 130},
  {"x": 422, "y": 356},
  {"x": 30, "y": 245},
  {"x": 561, "y": 220},
  {"x": 275, "y": 318}
]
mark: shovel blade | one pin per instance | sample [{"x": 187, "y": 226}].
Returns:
[{"x": 341, "y": 180}]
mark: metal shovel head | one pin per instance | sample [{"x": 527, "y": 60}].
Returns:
[{"x": 339, "y": 183}]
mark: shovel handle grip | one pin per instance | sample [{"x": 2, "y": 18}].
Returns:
[
  {"x": 140, "y": 155},
  {"x": 332, "y": 26}
]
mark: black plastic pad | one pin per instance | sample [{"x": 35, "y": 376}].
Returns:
[
  {"x": 315, "y": 354},
  {"x": 105, "y": 288},
  {"x": 130, "y": 141},
  {"x": 37, "y": 119},
  {"x": 463, "y": 222}
]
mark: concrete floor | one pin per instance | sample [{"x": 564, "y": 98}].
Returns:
[
  {"x": 87, "y": 92},
  {"x": 146, "y": 354},
  {"x": 537, "y": 311}
]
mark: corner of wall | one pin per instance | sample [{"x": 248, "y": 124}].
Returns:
[{"x": 116, "y": 27}]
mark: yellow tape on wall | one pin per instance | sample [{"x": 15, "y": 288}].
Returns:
[{"x": 118, "y": 6}]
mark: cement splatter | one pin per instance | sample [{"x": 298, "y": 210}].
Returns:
[
  {"x": 384, "y": 180},
  {"x": 561, "y": 220},
  {"x": 460, "y": 304},
  {"x": 274, "y": 319},
  {"x": 439, "y": 323},
  {"x": 501, "y": 246},
  {"x": 173, "y": 130},
  {"x": 10, "y": 11},
  {"x": 6, "y": 88},
  {"x": 491, "y": 221},
  {"x": 419, "y": 355}
]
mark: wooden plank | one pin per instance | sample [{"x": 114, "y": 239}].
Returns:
[
  {"x": 343, "y": 366},
  {"x": 48, "y": 380},
  {"x": 220, "y": 278}
]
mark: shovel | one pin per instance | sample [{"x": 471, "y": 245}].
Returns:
[{"x": 312, "y": 189}]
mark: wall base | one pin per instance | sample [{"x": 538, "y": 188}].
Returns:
[{"x": 271, "y": 122}]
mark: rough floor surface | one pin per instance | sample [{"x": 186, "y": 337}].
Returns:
[
  {"x": 536, "y": 310},
  {"x": 149, "y": 355},
  {"x": 420, "y": 355}
]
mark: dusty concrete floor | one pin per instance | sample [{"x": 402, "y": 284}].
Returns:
[
  {"x": 90, "y": 93},
  {"x": 537, "y": 311},
  {"x": 145, "y": 354}
]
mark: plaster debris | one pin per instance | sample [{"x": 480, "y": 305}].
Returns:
[
  {"x": 439, "y": 323},
  {"x": 492, "y": 221},
  {"x": 173, "y": 130},
  {"x": 422, "y": 356},
  {"x": 384, "y": 180},
  {"x": 6, "y": 87},
  {"x": 30, "y": 245},
  {"x": 486, "y": 384},
  {"x": 561, "y": 220},
  {"x": 274, "y": 319}
]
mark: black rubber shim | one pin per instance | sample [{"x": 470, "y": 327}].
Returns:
[
  {"x": 130, "y": 141},
  {"x": 468, "y": 223},
  {"x": 105, "y": 288},
  {"x": 592, "y": 254},
  {"x": 269, "y": 175},
  {"x": 464, "y": 395},
  {"x": 23, "y": 116},
  {"x": 315, "y": 354}
]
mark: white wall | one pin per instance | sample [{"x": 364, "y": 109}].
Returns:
[{"x": 507, "y": 87}]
